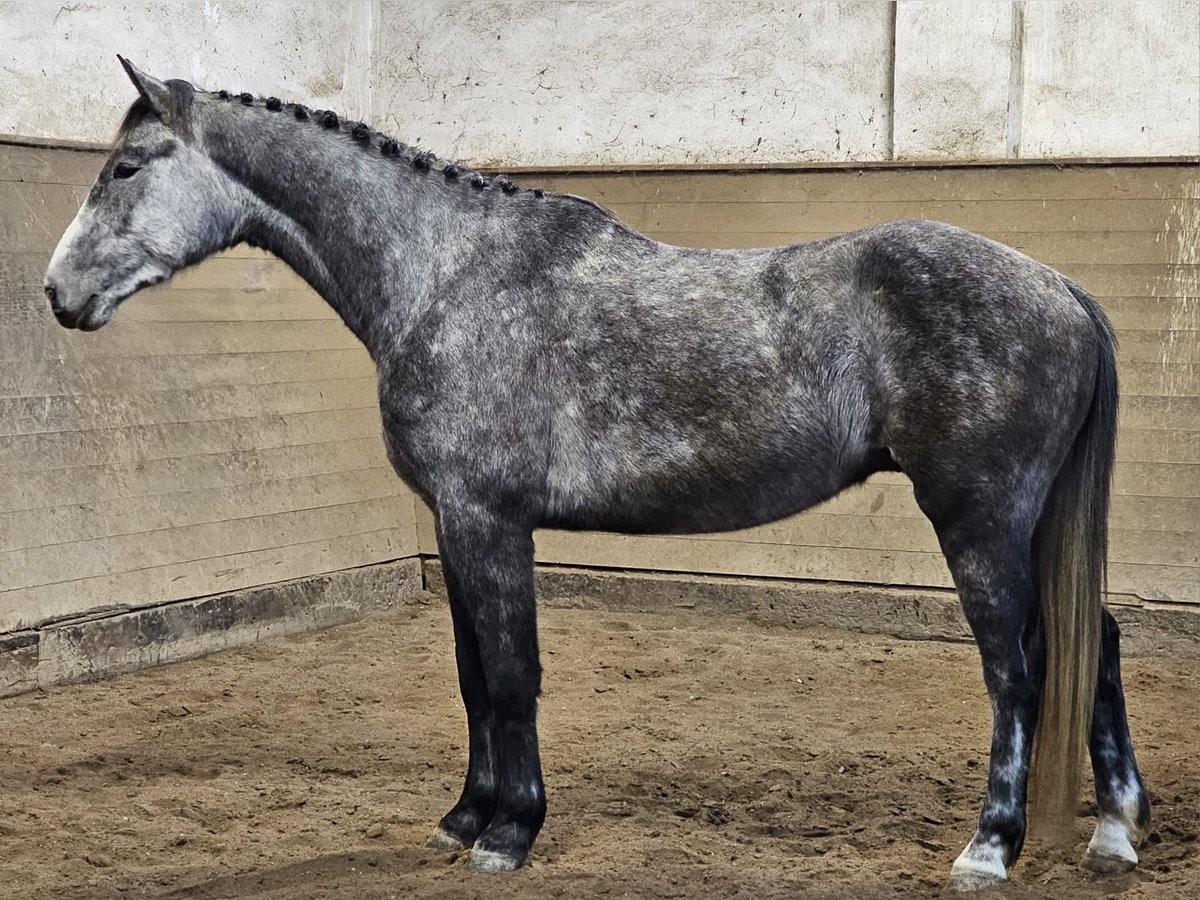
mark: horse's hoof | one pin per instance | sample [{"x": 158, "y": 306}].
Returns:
[
  {"x": 1110, "y": 851},
  {"x": 493, "y": 861},
  {"x": 441, "y": 839},
  {"x": 1101, "y": 864},
  {"x": 968, "y": 882},
  {"x": 976, "y": 872}
]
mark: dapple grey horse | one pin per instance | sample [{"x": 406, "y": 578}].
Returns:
[{"x": 542, "y": 364}]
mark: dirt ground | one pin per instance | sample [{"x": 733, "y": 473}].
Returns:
[{"x": 685, "y": 756}]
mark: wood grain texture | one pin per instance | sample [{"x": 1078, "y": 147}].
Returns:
[{"x": 223, "y": 431}]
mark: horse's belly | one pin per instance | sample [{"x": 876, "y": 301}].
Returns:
[{"x": 692, "y": 508}]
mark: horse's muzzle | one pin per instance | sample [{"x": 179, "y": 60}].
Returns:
[
  {"x": 65, "y": 317},
  {"x": 84, "y": 318}
]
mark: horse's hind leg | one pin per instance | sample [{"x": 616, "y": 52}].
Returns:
[
  {"x": 1120, "y": 795},
  {"x": 988, "y": 548}
]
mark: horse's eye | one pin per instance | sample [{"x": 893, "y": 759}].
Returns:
[{"x": 125, "y": 170}]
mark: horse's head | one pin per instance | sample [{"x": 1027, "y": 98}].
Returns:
[{"x": 159, "y": 204}]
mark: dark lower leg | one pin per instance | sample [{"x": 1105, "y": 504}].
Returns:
[
  {"x": 1002, "y": 820},
  {"x": 477, "y": 803},
  {"x": 521, "y": 806},
  {"x": 514, "y": 679},
  {"x": 493, "y": 571},
  {"x": 1123, "y": 805}
]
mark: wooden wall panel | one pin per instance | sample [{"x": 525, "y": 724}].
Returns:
[
  {"x": 221, "y": 433},
  {"x": 1128, "y": 234}
]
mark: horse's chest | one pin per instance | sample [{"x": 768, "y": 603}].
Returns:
[
  {"x": 405, "y": 461},
  {"x": 407, "y": 419}
]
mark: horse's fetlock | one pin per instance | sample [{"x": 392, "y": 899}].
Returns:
[
  {"x": 505, "y": 844},
  {"x": 463, "y": 824}
]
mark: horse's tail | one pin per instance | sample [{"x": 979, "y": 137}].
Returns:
[{"x": 1070, "y": 554}]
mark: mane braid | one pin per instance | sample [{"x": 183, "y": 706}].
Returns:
[{"x": 390, "y": 148}]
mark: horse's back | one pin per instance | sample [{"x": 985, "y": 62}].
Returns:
[{"x": 912, "y": 342}]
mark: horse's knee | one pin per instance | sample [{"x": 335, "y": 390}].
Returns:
[{"x": 513, "y": 687}]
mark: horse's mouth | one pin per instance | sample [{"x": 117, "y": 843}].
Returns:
[
  {"x": 100, "y": 307},
  {"x": 88, "y": 318},
  {"x": 94, "y": 314}
]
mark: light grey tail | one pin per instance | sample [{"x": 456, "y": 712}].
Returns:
[{"x": 1071, "y": 553}]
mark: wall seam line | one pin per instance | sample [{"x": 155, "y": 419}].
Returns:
[
  {"x": 891, "y": 89},
  {"x": 1016, "y": 82}
]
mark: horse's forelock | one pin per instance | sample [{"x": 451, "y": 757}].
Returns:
[{"x": 138, "y": 110}]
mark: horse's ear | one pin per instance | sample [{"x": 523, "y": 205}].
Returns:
[{"x": 169, "y": 100}]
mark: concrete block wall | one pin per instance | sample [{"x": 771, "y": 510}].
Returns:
[{"x": 527, "y": 83}]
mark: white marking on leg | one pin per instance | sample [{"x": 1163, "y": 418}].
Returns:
[
  {"x": 980, "y": 865},
  {"x": 1130, "y": 800},
  {"x": 1013, "y": 766},
  {"x": 1113, "y": 846},
  {"x": 1110, "y": 849}
]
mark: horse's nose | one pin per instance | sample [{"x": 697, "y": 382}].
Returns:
[{"x": 65, "y": 318}]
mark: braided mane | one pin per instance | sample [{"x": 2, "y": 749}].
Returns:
[{"x": 369, "y": 138}]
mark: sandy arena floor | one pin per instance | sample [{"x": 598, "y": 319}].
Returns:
[{"x": 685, "y": 756}]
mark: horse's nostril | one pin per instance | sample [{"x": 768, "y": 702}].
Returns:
[{"x": 51, "y": 295}]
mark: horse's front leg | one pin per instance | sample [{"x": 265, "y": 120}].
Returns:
[
  {"x": 488, "y": 562},
  {"x": 471, "y": 814}
]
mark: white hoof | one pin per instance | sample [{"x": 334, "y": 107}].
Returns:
[
  {"x": 491, "y": 861},
  {"x": 1110, "y": 849},
  {"x": 444, "y": 840},
  {"x": 979, "y": 866}
]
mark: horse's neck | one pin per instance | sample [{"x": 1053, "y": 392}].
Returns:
[{"x": 356, "y": 226}]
